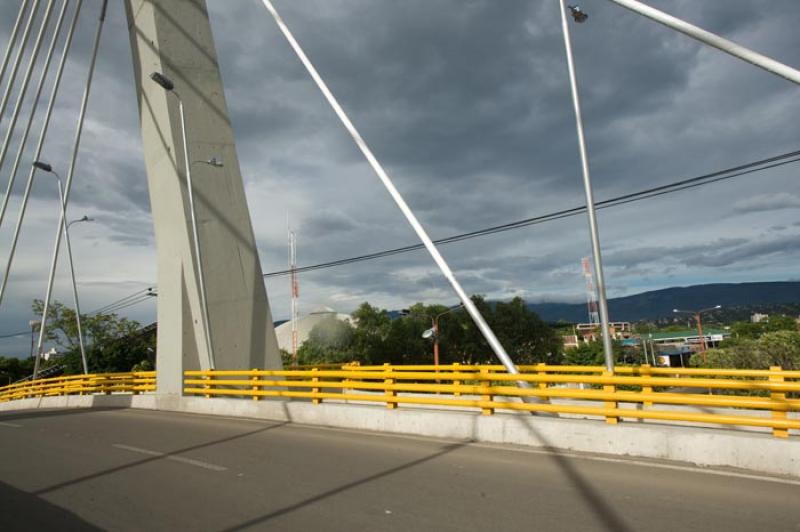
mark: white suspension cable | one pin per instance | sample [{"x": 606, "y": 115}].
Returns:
[
  {"x": 473, "y": 311},
  {"x": 12, "y": 41},
  {"x": 18, "y": 58},
  {"x": 68, "y": 186},
  {"x": 712, "y": 39},
  {"x": 37, "y": 46},
  {"x": 38, "y": 151}
]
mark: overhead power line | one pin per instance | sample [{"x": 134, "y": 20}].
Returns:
[
  {"x": 130, "y": 300},
  {"x": 772, "y": 162},
  {"x": 676, "y": 186}
]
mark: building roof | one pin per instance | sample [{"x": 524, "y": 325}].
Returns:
[{"x": 683, "y": 335}]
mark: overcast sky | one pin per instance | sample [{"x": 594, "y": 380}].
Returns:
[{"x": 467, "y": 104}]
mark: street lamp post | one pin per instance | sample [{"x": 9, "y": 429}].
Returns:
[
  {"x": 580, "y": 16},
  {"x": 49, "y": 169},
  {"x": 697, "y": 320},
  {"x": 169, "y": 86},
  {"x": 433, "y": 332}
]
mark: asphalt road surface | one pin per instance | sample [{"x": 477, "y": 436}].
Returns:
[{"x": 137, "y": 470}]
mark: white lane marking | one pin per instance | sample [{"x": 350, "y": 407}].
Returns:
[
  {"x": 509, "y": 448},
  {"x": 6, "y": 424},
  {"x": 181, "y": 459}
]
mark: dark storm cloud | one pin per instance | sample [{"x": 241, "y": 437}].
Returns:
[{"x": 466, "y": 102}]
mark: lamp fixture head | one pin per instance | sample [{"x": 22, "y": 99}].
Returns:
[
  {"x": 578, "y": 14},
  {"x": 41, "y": 165},
  {"x": 162, "y": 80}
]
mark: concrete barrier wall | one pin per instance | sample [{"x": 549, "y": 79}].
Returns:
[{"x": 709, "y": 447}]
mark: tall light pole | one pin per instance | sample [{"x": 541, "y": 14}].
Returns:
[
  {"x": 697, "y": 320},
  {"x": 49, "y": 169},
  {"x": 580, "y": 16},
  {"x": 166, "y": 84}
]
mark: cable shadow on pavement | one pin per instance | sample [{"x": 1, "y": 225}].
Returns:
[
  {"x": 607, "y": 516},
  {"x": 36, "y": 413},
  {"x": 22, "y": 511},
  {"x": 345, "y": 487},
  {"x": 164, "y": 456}
]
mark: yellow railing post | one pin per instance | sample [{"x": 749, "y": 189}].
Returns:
[
  {"x": 645, "y": 372},
  {"x": 207, "y": 386},
  {"x": 254, "y": 378},
  {"x": 456, "y": 369},
  {"x": 776, "y": 375},
  {"x": 315, "y": 390},
  {"x": 540, "y": 370},
  {"x": 389, "y": 393},
  {"x": 612, "y": 420},
  {"x": 486, "y": 393}
]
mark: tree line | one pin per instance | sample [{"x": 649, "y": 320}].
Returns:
[{"x": 374, "y": 336}]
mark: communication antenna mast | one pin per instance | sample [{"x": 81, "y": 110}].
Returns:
[
  {"x": 591, "y": 294},
  {"x": 295, "y": 289}
]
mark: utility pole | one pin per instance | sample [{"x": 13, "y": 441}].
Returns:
[{"x": 295, "y": 287}]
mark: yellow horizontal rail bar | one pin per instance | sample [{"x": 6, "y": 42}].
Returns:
[
  {"x": 761, "y": 403},
  {"x": 532, "y": 407},
  {"x": 730, "y": 384},
  {"x": 624, "y": 370}
]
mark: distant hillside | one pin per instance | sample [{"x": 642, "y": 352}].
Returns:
[{"x": 738, "y": 301}]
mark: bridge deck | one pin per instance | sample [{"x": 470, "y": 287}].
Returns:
[{"x": 132, "y": 470}]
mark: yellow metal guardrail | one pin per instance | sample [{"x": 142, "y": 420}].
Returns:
[
  {"x": 103, "y": 383},
  {"x": 755, "y": 398},
  {"x": 490, "y": 388}
]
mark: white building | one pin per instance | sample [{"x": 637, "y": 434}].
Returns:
[{"x": 304, "y": 326}]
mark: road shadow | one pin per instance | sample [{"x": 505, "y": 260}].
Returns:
[
  {"x": 21, "y": 511},
  {"x": 19, "y": 415},
  {"x": 261, "y": 520},
  {"x": 129, "y": 465},
  {"x": 607, "y": 516}
]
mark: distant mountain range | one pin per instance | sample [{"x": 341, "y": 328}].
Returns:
[{"x": 738, "y": 302}]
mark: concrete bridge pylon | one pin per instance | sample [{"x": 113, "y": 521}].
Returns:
[{"x": 173, "y": 37}]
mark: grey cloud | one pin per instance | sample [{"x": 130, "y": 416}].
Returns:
[
  {"x": 768, "y": 202},
  {"x": 467, "y": 105}
]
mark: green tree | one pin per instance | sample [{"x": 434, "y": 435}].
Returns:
[
  {"x": 592, "y": 354},
  {"x": 778, "y": 348},
  {"x": 113, "y": 344},
  {"x": 13, "y": 369}
]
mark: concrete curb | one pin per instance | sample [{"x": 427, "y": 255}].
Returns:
[{"x": 706, "y": 447}]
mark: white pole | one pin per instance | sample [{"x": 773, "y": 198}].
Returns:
[
  {"x": 473, "y": 311},
  {"x": 712, "y": 39},
  {"x": 72, "y": 272},
  {"x": 12, "y": 41},
  {"x": 62, "y": 221},
  {"x": 20, "y": 101},
  {"x": 602, "y": 303},
  {"x": 195, "y": 237},
  {"x": 75, "y": 296},
  {"x": 42, "y": 135}
]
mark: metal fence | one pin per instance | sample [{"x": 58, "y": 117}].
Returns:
[
  {"x": 97, "y": 383},
  {"x": 749, "y": 398},
  {"x": 766, "y": 399}
]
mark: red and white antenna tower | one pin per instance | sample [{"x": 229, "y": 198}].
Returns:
[
  {"x": 295, "y": 289},
  {"x": 591, "y": 294}
]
